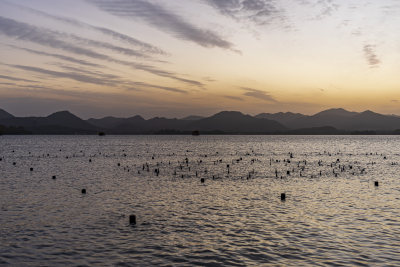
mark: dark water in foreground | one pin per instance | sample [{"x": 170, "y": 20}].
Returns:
[{"x": 333, "y": 214}]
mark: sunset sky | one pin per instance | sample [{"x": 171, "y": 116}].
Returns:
[{"x": 197, "y": 57}]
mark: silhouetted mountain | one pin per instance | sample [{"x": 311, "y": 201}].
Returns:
[
  {"x": 366, "y": 120},
  {"x": 132, "y": 125},
  {"x": 67, "y": 119},
  {"x": 62, "y": 122},
  {"x": 137, "y": 124},
  {"x": 369, "y": 120},
  {"x": 112, "y": 122},
  {"x": 5, "y": 115},
  {"x": 340, "y": 119},
  {"x": 329, "y": 117},
  {"x": 285, "y": 118},
  {"x": 332, "y": 121},
  {"x": 228, "y": 122},
  {"x": 236, "y": 122},
  {"x": 335, "y": 112},
  {"x": 106, "y": 122},
  {"x": 192, "y": 118},
  {"x": 337, "y": 118}
]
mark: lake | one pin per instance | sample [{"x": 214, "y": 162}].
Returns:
[{"x": 334, "y": 214}]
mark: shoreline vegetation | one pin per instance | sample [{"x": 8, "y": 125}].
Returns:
[
  {"x": 328, "y": 122},
  {"x": 311, "y": 131}
]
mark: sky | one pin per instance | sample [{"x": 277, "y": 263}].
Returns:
[{"x": 176, "y": 58}]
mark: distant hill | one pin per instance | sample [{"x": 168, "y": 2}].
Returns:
[
  {"x": 67, "y": 119},
  {"x": 236, "y": 122},
  {"x": 369, "y": 120},
  {"x": 331, "y": 121},
  {"x": 106, "y": 122},
  {"x": 192, "y": 118},
  {"x": 340, "y": 119},
  {"x": 335, "y": 112},
  {"x": 132, "y": 125},
  {"x": 62, "y": 122},
  {"x": 137, "y": 125},
  {"x": 227, "y": 122},
  {"x": 5, "y": 115},
  {"x": 337, "y": 118},
  {"x": 285, "y": 118}
]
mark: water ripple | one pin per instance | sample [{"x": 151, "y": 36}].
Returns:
[{"x": 333, "y": 214}]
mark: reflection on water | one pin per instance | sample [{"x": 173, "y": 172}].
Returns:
[{"x": 333, "y": 213}]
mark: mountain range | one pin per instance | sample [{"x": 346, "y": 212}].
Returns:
[{"x": 332, "y": 121}]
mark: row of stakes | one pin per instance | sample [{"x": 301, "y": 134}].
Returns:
[
  {"x": 202, "y": 180},
  {"x": 132, "y": 217}
]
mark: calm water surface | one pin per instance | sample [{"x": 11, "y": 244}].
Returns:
[{"x": 333, "y": 213}]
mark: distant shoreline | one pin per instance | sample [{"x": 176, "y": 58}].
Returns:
[{"x": 205, "y": 134}]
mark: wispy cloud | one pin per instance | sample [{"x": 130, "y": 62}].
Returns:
[
  {"x": 258, "y": 94},
  {"x": 233, "y": 97},
  {"x": 159, "y": 72},
  {"x": 163, "y": 19},
  {"x": 42, "y": 36},
  {"x": 62, "y": 57},
  {"x": 8, "y": 84},
  {"x": 98, "y": 78},
  {"x": 49, "y": 38},
  {"x": 114, "y": 34},
  {"x": 43, "y": 90},
  {"x": 209, "y": 79},
  {"x": 104, "y": 45},
  {"x": 93, "y": 73},
  {"x": 260, "y": 12},
  {"x": 69, "y": 75},
  {"x": 56, "y": 39},
  {"x": 371, "y": 56},
  {"x": 326, "y": 8},
  {"x": 15, "y": 79},
  {"x": 165, "y": 88},
  {"x": 321, "y": 8}
]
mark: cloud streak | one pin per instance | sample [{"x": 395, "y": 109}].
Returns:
[
  {"x": 258, "y": 94},
  {"x": 260, "y": 12},
  {"x": 103, "y": 45},
  {"x": 163, "y": 19},
  {"x": 97, "y": 78},
  {"x": 321, "y": 8},
  {"x": 370, "y": 55},
  {"x": 326, "y": 8},
  {"x": 114, "y": 34},
  {"x": 236, "y": 98},
  {"x": 165, "y": 88},
  {"x": 22, "y": 31},
  {"x": 45, "y": 37},
  {"x": 15, "y": 79},
  {"x": 40, "y": 91},
  {"x": 118, "y": 80},
  {"x": 69, "y": 75},
  {"x": 62, "y": 57}
]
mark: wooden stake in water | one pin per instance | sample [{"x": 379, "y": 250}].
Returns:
[{"x": 132, "y": 219}]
